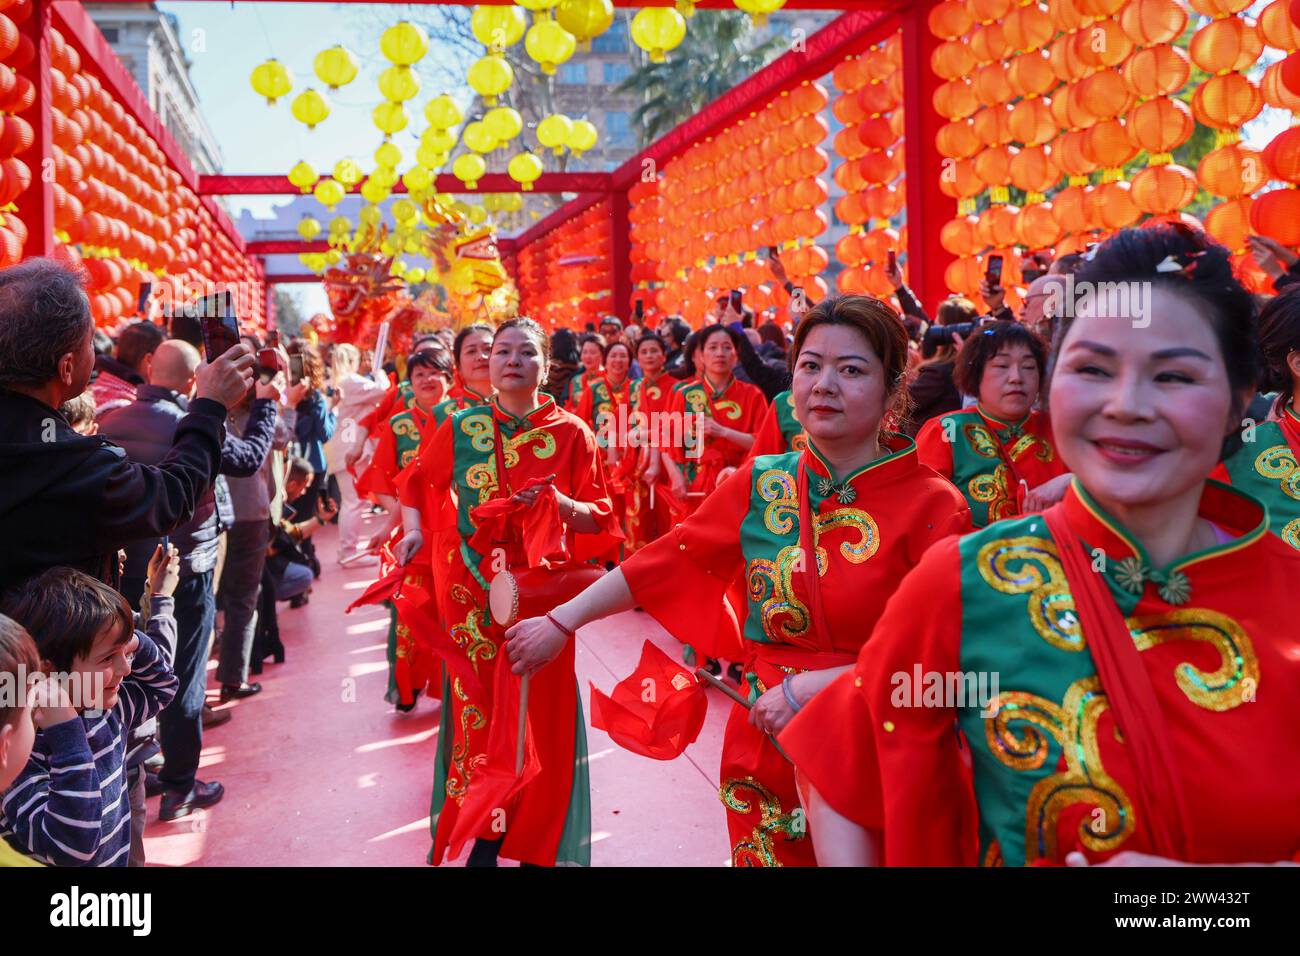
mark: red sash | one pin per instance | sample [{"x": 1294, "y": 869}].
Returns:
[{"x": 1159, "y": 797}]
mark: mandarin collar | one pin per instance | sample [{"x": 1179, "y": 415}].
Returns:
[
  {"x": 899, "y": 461},
  {"x": 532, "y": 419},
  {"x": 1224, "y": 505},
  {"x": 1002, "y": 425}
]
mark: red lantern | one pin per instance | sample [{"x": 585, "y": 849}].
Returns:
[
  {"x": 1277, "y": 214},
  {"x": 1282, "y": 156},
  {"x": 1160, "y": 190}
]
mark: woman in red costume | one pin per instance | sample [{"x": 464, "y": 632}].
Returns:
[
  {"x": 523, "y": 448},
  {"x": 649, "y": 516},
  {"x": 856, "y": 502},
  {"x": 599, "y": 409},
  {"x": 1141, "y": 632},
  {"x": 719, "y": 417}
]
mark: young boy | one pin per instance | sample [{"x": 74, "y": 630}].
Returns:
[
  {"x": 69, "y": 806},
  {"x": 18, "y": 662}
]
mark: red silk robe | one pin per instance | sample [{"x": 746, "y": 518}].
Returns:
[
  {"x": 1048, "y": 773},
  {"x": 456, "y": 470},
  {"x": 751, "y": 528},
  {"x": 645, "y": 521},
  {"x": 599, "y": 408}
]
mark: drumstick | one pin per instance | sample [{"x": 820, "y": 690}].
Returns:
[
  {"x": 523, "y": 724},
  {"x": 726, "y": 689}
]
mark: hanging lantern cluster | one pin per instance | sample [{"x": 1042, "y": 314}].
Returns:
[
  {"x": 757, "y": 184},
  {"x": 565, "y": 277},
  {"x": 122, "y": 214},
  {"x": 1275, "y": 213},
  {"x": 871, "y": 146},
  {"x": 658, "y": 30}
]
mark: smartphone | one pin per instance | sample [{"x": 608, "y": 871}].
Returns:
[
  {"x": 736, "y": 302},
  {"x": 268, "y": 365},
  {"x": 993, "y": 271},
  {"x": 295, "y": 369},
  {"x": 893, "y": 260},
  {"x": 773, "y": 252},
  {"x": 273, "y": 339},
  {"x": 640, "y": 310},
  {"x": 142, "y": 300},
  {"x": 217, "y": 322}
]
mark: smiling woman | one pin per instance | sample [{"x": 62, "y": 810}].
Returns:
[{"x": 1132, "y": 627}]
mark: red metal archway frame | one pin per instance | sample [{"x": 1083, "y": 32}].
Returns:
[{"x": 866, "y": 23}]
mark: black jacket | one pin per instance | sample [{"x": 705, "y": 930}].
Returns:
[
  {"x": 932, "y": 393},
  {"x": 68, "y": 499},
  {"x": 146, "y": 429}
]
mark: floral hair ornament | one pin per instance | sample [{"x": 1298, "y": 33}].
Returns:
[{"x": 1184, "y": 266}]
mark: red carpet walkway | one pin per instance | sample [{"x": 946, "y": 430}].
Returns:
[{"x": 319, "y": 770}]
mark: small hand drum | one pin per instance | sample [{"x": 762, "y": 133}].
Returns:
[{"x": 522, "y": 593}]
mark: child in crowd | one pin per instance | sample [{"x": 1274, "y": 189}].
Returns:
[
  {"x": 69, "y": 806},
  {"x": 19, "y": 661},
  {"x": 80, "y": 413}
]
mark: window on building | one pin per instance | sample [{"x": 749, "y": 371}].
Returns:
[
  {"x": 613, "y": 40},
  {"x": 616, "y": 73},
  {"x": 573, "y": 74},
  {"x": 618, "y": 128},
  {"x": 110, "y": 34}
]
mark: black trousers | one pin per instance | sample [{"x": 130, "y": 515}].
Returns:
[{"x": 180, "y": 725}]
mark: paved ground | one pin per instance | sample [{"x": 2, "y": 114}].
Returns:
[{"x": 320, "y": 771}]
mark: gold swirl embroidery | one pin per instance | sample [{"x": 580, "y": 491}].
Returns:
[
  {"x": 402, "y": 644},
  {"x": 994, "y": 490},
  {"x": 777, "y": 575},
  {"x": 461, "y": 594},
  {"x": 867, "y": 544},
  {"x": 1073, "y": 726},
  {"x": 1291, "y": 533},
  {"x": 1279, "y": 463},
  {"x": 1038, "y": 574},
  {"x": 981, "y": 440},
  {"x": 777, "y": 488},
  {"x": 471, "y": 718},
  {"x": 760, "y": 850},
  {"x": 696, "y": 400},
  {"x": 993, "y": 855},
  {"x": 1026, "y": 443},
  {"x": 479, "y": 430},
  {"x": 799, "y": 442},
  {"x": 1221, "y": 689},
  {"x": 469, "y": 635},
  {"x": 729, "y": 407},
  {"x": 511, "y": 446},
  {"x": 482, "y": 477}
]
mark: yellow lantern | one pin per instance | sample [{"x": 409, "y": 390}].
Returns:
[
  {"x": 554, "y": 131},
  {"x": 658, "y": 30},
  {"x": 398, "y": 268},
  {"x": 335, "y": 67},
  {"x": 469, "y": 169},
  {"x": 584, "y": 135},
  {"x": 438, "y": 140},
  {"x": 524, "y": 169},
  {"x": 503, "y": 123},
  {"x": 497, "y": 27},
  {"x": 303, "y": 175},
  {"x": 510, "y": 202},
  {"x": 442, "y": 112},
  {"x": 538, "y": 6},
  {"x": 489, "y": 77},
  {"x": 397, "y": 84},
  {"x": 315, "y": 261},
  {"x": 427, "y": 155},
  {"x": 686, "y": 8},
  {"x": 478, "y": 138},
  {"x": 333, "y": 257},
  {"x": 585, "y": 19},
  {"x": 385, "y": 175},
  {"x": 347, "y": 172},
  {"x": 271, "y": 79},
  {"x": 390, "y": 118},
  {"x": 404, "y": 210},
  {"x": 374, "y": 191},
  {"x": 388, "y": 154},
  {"x": 309, "y": 227},
  {"x": 341, "y": 225},
  {"x": 310, "y": 108},
  {"x": 329, "y": 193},
  {"x": 404, "y": 43},
  {"x": 759, "y": 9},
  {"x": 417, "y": 179},
  {"x": 370, "y": 216},
  {"x": 415, "y": 275},
  {"x": 477, "y": 215},
  {"x": 549, "y": 44}
]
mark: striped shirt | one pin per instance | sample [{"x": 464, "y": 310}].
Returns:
[{"x": 70, "y": 805}]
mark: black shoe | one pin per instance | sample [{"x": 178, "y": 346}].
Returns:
[
  {"x": 152, "y": 785},
  {"x": 736, "y": 673},
  {"x": 255, "y": 667},
  {"x": 239, "y": 691},
  {"x": 176, "y": 804},
  {"x": 278, "y": 656},
  {"x": 214, "y": 718},
  {"x": 298, "y": 601},
  {"x": 484, "y": 853}
]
